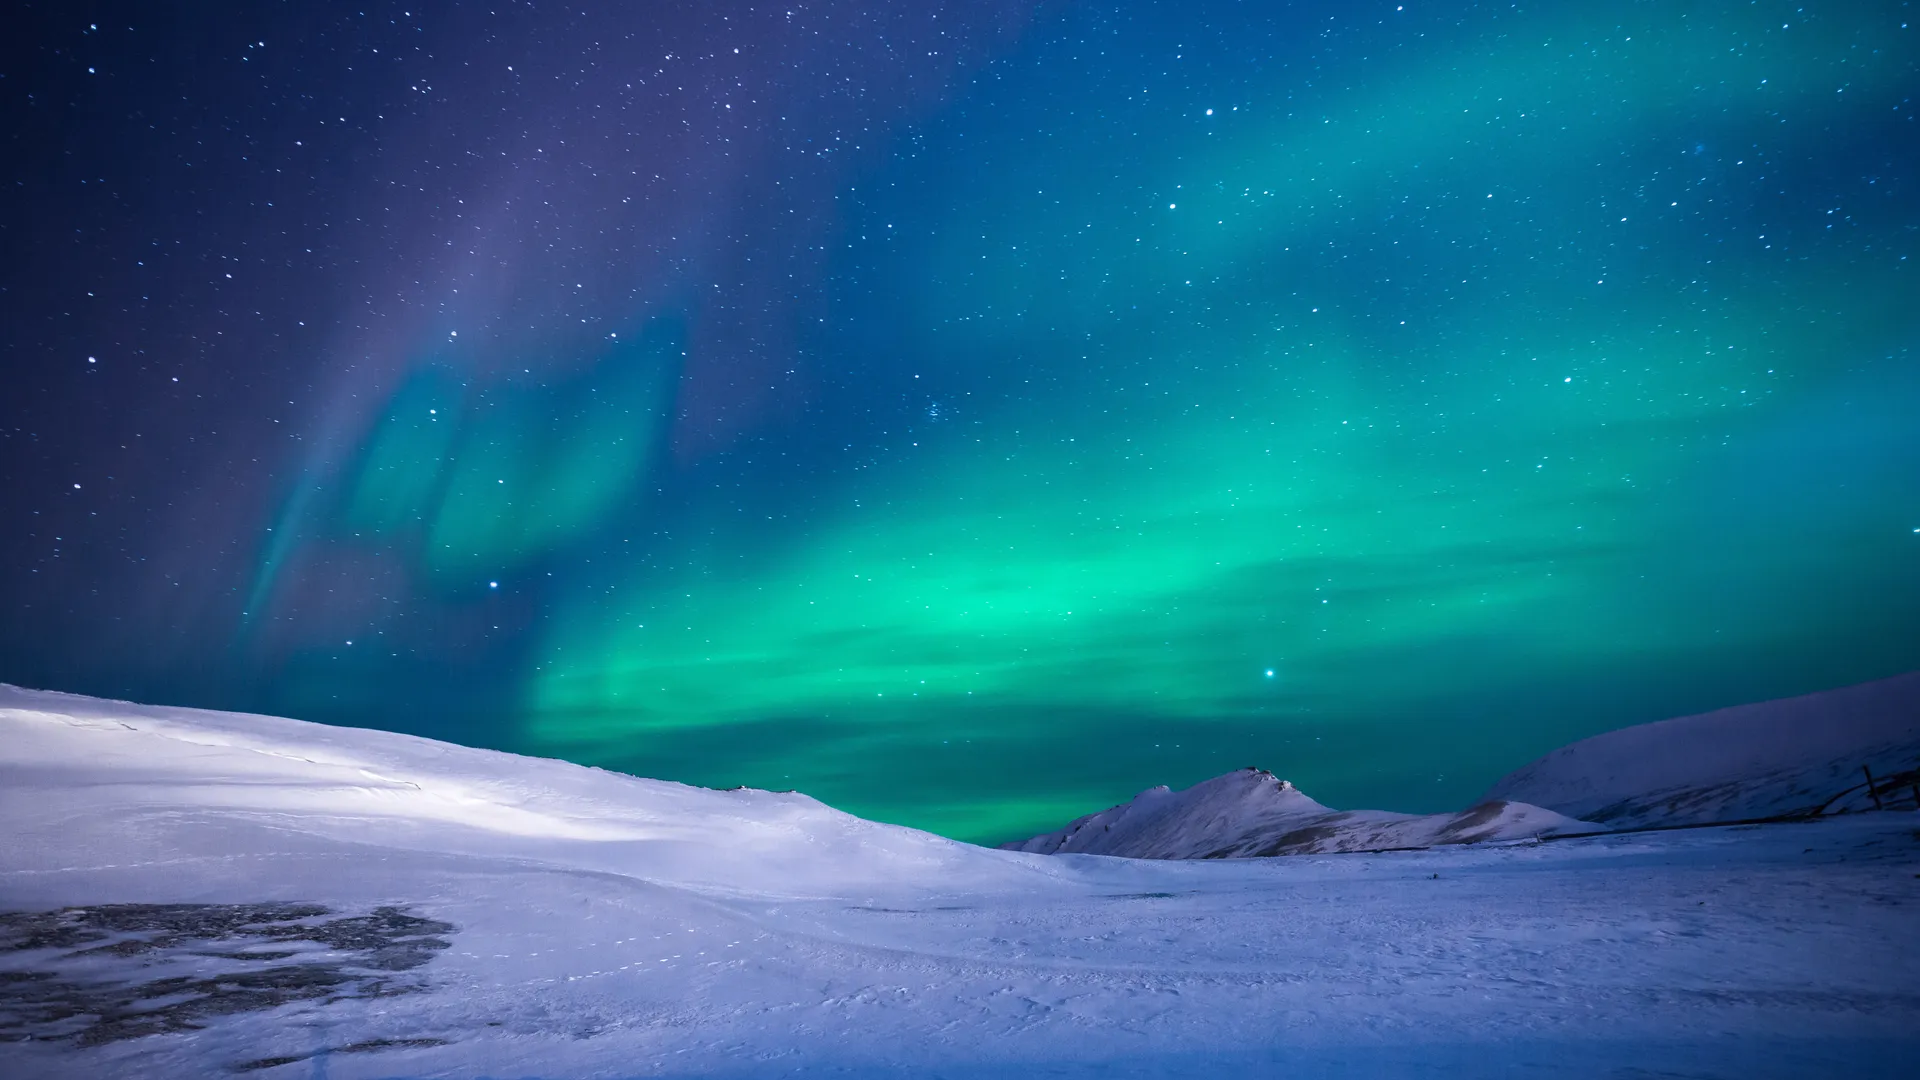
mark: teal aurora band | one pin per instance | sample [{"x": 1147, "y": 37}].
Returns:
[{"x": 972, "y": 416}]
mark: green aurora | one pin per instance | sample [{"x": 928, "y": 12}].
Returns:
[{"x": 1379, "y": 400}]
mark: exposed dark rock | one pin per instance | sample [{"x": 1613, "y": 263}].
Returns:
[
  {"x": 367, "y": 1047},
  {"x": 88, "y": 974}
]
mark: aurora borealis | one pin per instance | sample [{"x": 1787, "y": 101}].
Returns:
[{"x": 968, "y": 414}]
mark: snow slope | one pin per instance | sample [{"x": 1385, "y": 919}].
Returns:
[
  {"x": 124, "y": 760},
  {"x": 1786, "y": 757},
  {"x": 1251, "y": 813},
  {"x": 191, "y": 894}
]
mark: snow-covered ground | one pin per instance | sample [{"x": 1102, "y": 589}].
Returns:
[{"x": 362, "y": 904}]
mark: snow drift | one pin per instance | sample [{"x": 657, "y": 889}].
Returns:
[
  {"x": 187, "y": 894},
  {"x": 1797, "y": 756},
  {"x": 1252, "y": 813}
]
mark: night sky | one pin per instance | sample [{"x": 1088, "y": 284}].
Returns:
[{"x": 966, "y": 413}]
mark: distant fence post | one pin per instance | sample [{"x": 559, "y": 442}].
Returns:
[{"x": 1870, "y": 790}]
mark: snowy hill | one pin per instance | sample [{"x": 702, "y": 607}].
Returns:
[
  {"x": 73, "y": 765},
  {"x": 1251, "y": 813},
  {"x": 192, "y": 894},
  {"x": 1793, "y": 756}
]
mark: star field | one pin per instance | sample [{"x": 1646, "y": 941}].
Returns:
[{"x": 967, "y": 414}]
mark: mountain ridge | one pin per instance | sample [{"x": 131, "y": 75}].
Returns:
[
  {"x": 1251, "y": 813},
  {"x": 1788, "y": 757}
]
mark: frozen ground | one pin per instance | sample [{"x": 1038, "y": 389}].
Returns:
[{"x": 337, "y": 903}]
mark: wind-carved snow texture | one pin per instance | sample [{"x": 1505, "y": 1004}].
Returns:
[
  {"x": 106, "y": 972},
  {"x": 1795, "y": 757},
  {"x": 616, "y": 927},
  {"x": 1252, "y": 814}
]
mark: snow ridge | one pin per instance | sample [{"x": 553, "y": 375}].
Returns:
[
  {"x": 1250, "y": 813},
  {"x": 1796, "y": 756},
  {"x": 64, "y": 757}
]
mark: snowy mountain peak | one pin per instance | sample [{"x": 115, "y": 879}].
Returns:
[
  {"x": 1792, "y": 757},
  {"x": 1251, "y": 813},
  {"x": 1855, "y": 748}
]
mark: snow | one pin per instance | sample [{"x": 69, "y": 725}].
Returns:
[
  {"x": 1772, "y": 759},
  {"x": 452, "y": 798},
  {"x": 359, "y": 904},
  {"x": 1252, "y": 813},
  {"x": 1794, "y": 757}
]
